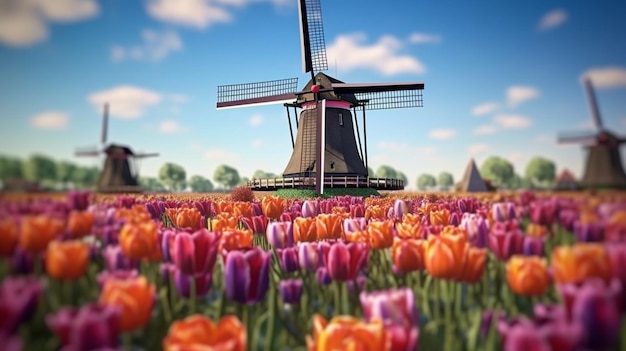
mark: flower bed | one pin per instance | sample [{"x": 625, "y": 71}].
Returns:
[{"x": 399, "y": 272}]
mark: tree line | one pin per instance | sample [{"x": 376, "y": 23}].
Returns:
[{"x": 60, "y": 175}]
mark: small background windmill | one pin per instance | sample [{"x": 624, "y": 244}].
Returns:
[
  {"x": 327, "y": 150},
  {"x": 603, "y": 166},
  {"x": 120, "y": 172}
]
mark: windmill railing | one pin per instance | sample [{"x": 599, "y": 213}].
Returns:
[{"x": 329, "y": 182}]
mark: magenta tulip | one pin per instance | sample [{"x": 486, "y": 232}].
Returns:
[{"x": 195, "y": 253}]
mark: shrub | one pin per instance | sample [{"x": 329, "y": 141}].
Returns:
[{"x": 242, "y": 193}]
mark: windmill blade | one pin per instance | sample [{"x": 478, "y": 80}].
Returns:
[
  {"x": 312, "y": 42},
  {"x": 105, "y": 124},
  {"x": 578, "y": 138},
  {"x": 593, "y": 104},
  {"x": 380, "y": 96},
  {"x": 268, "y": 92},
  {"x": 86, "y": 153},
  {"x": 144, "y": 155}
]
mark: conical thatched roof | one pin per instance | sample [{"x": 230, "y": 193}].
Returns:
[
  {"x": 472, "y": 181},
  {"x": 566, "y": 181}
]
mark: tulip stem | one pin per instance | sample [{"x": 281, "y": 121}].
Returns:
[
  {"x": 127, "y": 341},
  {"x": 192, "y": 295},
  {"x": 271, "y": 321},
  {"x": 246, "y": 321},
  {"x": 167, "y": 309},
  {"x": 448, "y": 287}
]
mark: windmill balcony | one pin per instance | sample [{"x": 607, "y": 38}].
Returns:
[{"x": 347, "y": 181}]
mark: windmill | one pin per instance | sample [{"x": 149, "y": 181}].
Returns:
[
  {"x": 603, "y": 167},
  {"x": 120, "y": 171},
  {"x": 326, "y": 149}
]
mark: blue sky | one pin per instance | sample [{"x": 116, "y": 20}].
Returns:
[{"x": 502, "y": 78}]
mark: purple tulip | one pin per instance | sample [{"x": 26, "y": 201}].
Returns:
[
  {"x": 310, "y": 208},
  {"x": 183, "y": 282},
  {"x": 78, "y": 200},
  {"x": 22, "y": 262},
  {"x": 589, "y": 232},
  {"x": 543, "y": 213},
  {"x": 308, "y": 256},
  {"x": 533, "y": 246},
  {"x": 195, "y": 253},
  {"x": 357, "y": 285},
  {"x": 247, "y": 275},
  {"x": 258, "y": 224},
  {"x": 280, "y": 234},
  {"x": 351, "y": 225},
  {"x": 503, "y": 211},
  {"x": 115, "y": 259},
  {"x": 291, "y": 290},
  {"x": 477, "y": 229},
  {"x": 322, "y": 276},
  {"x": 505, "y": 243},
  {"x": 156, "y": 211},
  {"x": 206, "y": 207},
  {"x": 289, "y": 259},
  {"x": 93, "y": 326},
  {"x": 399, "y": 209},
  {"x": 19, "y": 298}
]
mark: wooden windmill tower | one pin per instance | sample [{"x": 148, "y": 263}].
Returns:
[
  {"x": 120, "y": 171},
  {"x": 327, "y": 149},
  {"x": 603, "y": 168}
]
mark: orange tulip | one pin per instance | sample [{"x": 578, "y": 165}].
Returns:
[
  {"x": 451, "y": 230},
  {"x": 328, "y": 226},
  {"x": 412, "y": 218},
  {"x": 538, "y": 230},
  {"x": 198, "y": 332},
  {"x": 79, "y": 223},
  {"x": 185, "y": 217},
  {"x": 574, "y": 264},
  {"x": 234, "y": 239},
  {"x": 380, "y": 234},
  {"x": 37, "y": 231},
  {"x": 136, "y": 214},
  {"x": 439, "y": 217},
  {"x": 224, "y": 221},
  {"x": 347, "y": 333},
  {"x": 527, "y": 275},
  {"x": 408, "y": 254},
  {"x": 304, "y": 229},
  {"x": 140, "y": 240},
  {"x": 407, "y": 230},
  {"x": 225, "y": 207},
  {"x": 272, "y": 206},
  {"x": 134, "y": 297},
  {"x": 67, "y": 260},
  {"x": 474, "y": 266},
  {"x": 8, "y": 236},
  {"x": 445, "y": 256},
  {"x": 243, "y": 209},
  {"x": 376, "y": 212},
  {"x": 357, "y": 236}
]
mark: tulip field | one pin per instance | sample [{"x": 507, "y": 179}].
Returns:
[{"x": 402, "y": 271}]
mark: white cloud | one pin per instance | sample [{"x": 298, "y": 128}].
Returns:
[
  {"x": 50, "y": 120},
  {"x": 485, "y": 129},
  {"x": 442, "y": 134},
  {"x": 219, "y": 155},
  {"x": 552, "y": 20},
  {"x": 155, "y": 47},
  {"x": 199, "y": 14},
  {"x": 170, "y": 127},
  {"x": 486, "y": 108},
  {"x": 516, "y": 94},
  {"x": 256, "y": 120},
  {"x": 25, "y": 23},
  {"x": 513, "y": 121},
  {"x": 125, "y": 101},
  {"x": 607, "y": 77},
  {"x": 422, "y": 38},
  {"x": 352, "y": 52},
  {"x": 475, "y": 149}
]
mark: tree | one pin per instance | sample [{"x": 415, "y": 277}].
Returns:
[
  {"x": 425, "y": 181},
  {"x": 518, "y": 182},
  {"x": 370, "y": 172},
  {"x": 200, "y": 184},
  {"x": 541, "y": 171},
  {"x": 385, "y": 171},
  {"x": 227, "y": 176},
  {"x": 400, "y": 175},
  {"x": 173, "y": 176},
  {"x": 498, "y": 170},
  {"x": 259, "y": 174},
  {"x": 39, "y": 168},
  {"x": 64, "y": 172},
  {"x": 245, "y": 180},
  {"x": 445, "y": 180},
  {"x": 151, "y": 183},
  {"x": 10, "y": 168},
  {"x": 85, "y": 177}
]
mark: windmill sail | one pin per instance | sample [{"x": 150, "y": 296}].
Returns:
[
  {"x": 268, "y": 92},
  {"x": 105, "y": 124},
  {"x": 312, "y": 42},
  {"x": 593, "y": 104},
  {"x": 379, "y": 96}
]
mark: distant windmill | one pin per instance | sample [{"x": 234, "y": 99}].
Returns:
[
  {"x": 603, "y": 168},
  {"x": 120, "y": 171},
  {"x": 325, "y": 149}
]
